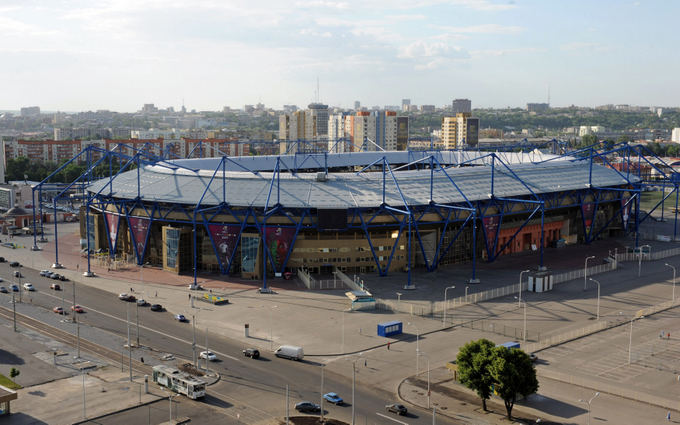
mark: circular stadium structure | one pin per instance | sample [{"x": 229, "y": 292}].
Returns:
[{"x": 355, "y": 212}]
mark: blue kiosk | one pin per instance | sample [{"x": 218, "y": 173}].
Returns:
[{"x": 390, "y": 328}]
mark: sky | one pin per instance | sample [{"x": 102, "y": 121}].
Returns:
[{"x": 73, "y": 55}]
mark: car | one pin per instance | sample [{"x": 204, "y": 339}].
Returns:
[
  {"x": 14, "y": 288},
  {"x": 55, "y": 276},
  {"x": 77, "y": 308},
  {"x": 156, "y": 307},
  {"x": 127, "y": 297},
  {"x": 180, "y": 318},
  {"x": 142, "y": 302},
  {"x": 195, "y": 287},
  {"x": 3, "y": 290},
  {"x": 59, "y": 310},
  {"x": 17, "y": 273},
  {"x": 253, "y": 353},
  {"x": 63, "y": 278},
  {"x": 14, "y": 264},
  {"x": 2, "y": 259},
  {"x": 2, "y": 280},
  {"x": 55, "y": 286},
  {"x": 29, "y": 286},
  {"x": 399, "y": 409},
  {"x": 307, "y": 407},
  {"x": 208, "y": 355},
  {"x": 44, "y": 272},
  {"x": 333, "y": 398}
]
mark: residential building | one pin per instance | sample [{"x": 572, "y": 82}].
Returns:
[
  {"x": 338, "y": 134},
  {"x": 427, "y": 108},
  {"x": 30, "y": 111},
  {"x": 302, "y": 131},
  {"x": 538, "y": 107},
  {"x": 402, "y": 133},
  {"x": 357, "y": 105},
  {"x": 675, "y": 135},
  {"x": 405, "y": 105},
  {"x": 459, "y": 106},
  {"x": 459, "y": 131}
]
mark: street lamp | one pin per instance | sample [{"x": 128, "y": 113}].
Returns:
[
  {"x": 673, "y": 280},
  {"x": 588, "y": 403},
  {"x": 585, "y": 272},
  {"x": 417, "y": 343},
  {"x": 428, "y": 377},
  {"x": 446, "y": 305},
  {"x": 466, "y": 294},
  {"x": 524, "y": 330},
  {"x": 598, "y": 296},
  {"x": 649, "y": 250},
  {"x": 520, "y": 285},
  {"x": 354, "y": 379},
  {"x": 630, "y": 338}
]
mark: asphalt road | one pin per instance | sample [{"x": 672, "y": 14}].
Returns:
[{"x": 252, "y": 389}]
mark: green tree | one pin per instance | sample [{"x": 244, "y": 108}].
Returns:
[
  {"x": 13, "y": 373},
  {"x": 512, "y": 373},
  {"x": 588, "y": 139},
  {"x": 474, "y": 361}
]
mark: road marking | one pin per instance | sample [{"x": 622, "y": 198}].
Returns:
[
  {"x": 392, "y": 419},
  {"x": 142, "y": 327}
]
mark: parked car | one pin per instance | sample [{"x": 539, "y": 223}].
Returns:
[
  {"x": 3, "y": 290},
  {"x": 59, "y": 310},
  {"x": 142, "y": 302},
  {"x": 333, "y": 398},
  {"x": 156, "y": 307},
  {"x": 15, "y": 264},
  {"x": 63, "y": 278},
  {"x": 126, "y": 297},
  {"x": 77, "y": 308},
  {"x": 44, "y": 272},
  {"x": 180, "y": 318},
  {"x": 307, "y": 407},
  {"x": 195, "y": 287},
  {"x": 2, "y": 259},
  {"x": 55, "y": 286},
  {"x": 399, "y": 409},
  {"x": 253, "y": 353},
  {"x": 2, "y": 280},
  {"x": 29, "y": 286},
  {"x": 55, "y": 276},
  {"x": 208, "y": 355},
  {"x": 17, "y": 273},
  {"x": 289, "y": 352},
  {"x": 14, "y": 288}
]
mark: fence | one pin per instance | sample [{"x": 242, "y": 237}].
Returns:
[
  {"x": 570, "y": 335},
  {"x": 501, "y": 329},
  {"x": 311, "y": 283}
]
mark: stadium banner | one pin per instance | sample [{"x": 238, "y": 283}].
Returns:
[
  {"x": 491, "y": 226},
  {"x": 139, "y": 230},
  {"x": 625, "y": 211},
  {"x": 225, "y": 238},
  {"x": 279, "y": 240},
  {"x": 588, "y": 211},
  {"x": 172, "y": 242},
  {"x": 112, "y": 224}
]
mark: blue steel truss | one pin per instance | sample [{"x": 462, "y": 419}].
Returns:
[{"x": 399, "y": 218}]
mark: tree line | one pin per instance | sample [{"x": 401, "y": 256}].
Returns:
[{"x": 23, "y": 168}]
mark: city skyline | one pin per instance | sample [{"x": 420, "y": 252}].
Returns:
[{"x": 117, "y": 55}]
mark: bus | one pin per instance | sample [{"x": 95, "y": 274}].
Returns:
[{"x": 179, "y": 382}]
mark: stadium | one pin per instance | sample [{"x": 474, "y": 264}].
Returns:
[{"x": 361, "y": 212}]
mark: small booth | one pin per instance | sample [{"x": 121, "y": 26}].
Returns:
[
  {"x": 390, "y": 328},
  {"x": 361, "y": 300}
]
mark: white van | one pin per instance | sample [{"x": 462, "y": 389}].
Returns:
[{"x": 289, "y": 352}]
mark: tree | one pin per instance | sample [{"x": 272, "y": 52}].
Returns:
[
  {"x": 588, "y": 139},
  {"x": 512, "y": 373},
  {"x": 13, "y": 373},
  {"x": 474, "y": 361}
]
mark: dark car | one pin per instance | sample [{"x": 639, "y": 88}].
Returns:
[
  {"x": 399, "y": 409},
  {"x": 55, "y": 276},
  {"x": 2, "y": 259},
  {"x": 253, "y": 353},
  {"x": 14, "y": 288},
  {"x": 55, "y": 286},
  {"x": 63, "y": 278},
  {"x": 307, "y": 407},
  {"x": 17, "y": 273},
  {"x": 14, "y": 264},
  {"x": 127, "y": 297},
  {"x": 156, "y": 307},
  {"x": 3, "y": 290}
]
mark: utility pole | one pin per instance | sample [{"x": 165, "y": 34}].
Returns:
[
  {"x": 129, "y": 343},
  {"x": 73, "y": 318},
  {"x": 137, "y": 319},
  {"x": 321, "y": 397},
  {"x": 207, "y": 352},
  {"x": 193, "y": 343},
  {"x": 287, "y": 404},
  {"x": 14, "y": 311},
  {"x": 354, "y": 379}
]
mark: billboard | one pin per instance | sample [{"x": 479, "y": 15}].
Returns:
[
  {"x": 139, "y": 229},
  {"x": 279, "y": 240},
  {"x": 112, "y": 223},
  {"x": 491, "y": 227},
  {"x": 172, "y": 244},
  {"x": 472, "y": 131},
  {"x": 225, "y": 238},
  {"x": 402, "y": 133}
]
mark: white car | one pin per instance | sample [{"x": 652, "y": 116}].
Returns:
[
  {"x": 45, "y": 272},
  {"x": 29, "y": 286},
  {"x": 208, "y": 355}
]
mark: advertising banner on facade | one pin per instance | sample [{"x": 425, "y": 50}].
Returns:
[
  {"x": 279, "y": 240},
  {"x": 225, "y": 237},
  {"x": 139, "y": 229},
  {"x": 172, "y": 247},
  {"x": 588, "y": 211},
  {"x": 112, "y": 223},
  {"x": 491, "y": 226},
  {"x": 626, "y": 205}
]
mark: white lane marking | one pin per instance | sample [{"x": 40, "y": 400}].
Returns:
[
  {"x": 143, "y": 327},
  {"x": 392, "y": 419}
]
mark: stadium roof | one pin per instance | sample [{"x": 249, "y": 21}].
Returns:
[{"x": 351, "y": 190}]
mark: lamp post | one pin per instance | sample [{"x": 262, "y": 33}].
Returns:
[
  {"x": 630, "y": 338},
  {"x": 673, "y": 298},
  {"x": 524, "y": 330},
  {"x": 520, "y": 285},
  {"x": 354, "y": 379},
  {"x": 428, "y": 376},
  {"x": 446, "y": 305},
  {"x": 585, "y": 272},
  {"x": 598, "y": 296},
  {"x": 466, "y": 294},
  {"x": 417, "y": 344},
  {"x": 649, "y": 250},
  {"x": 588, "y": 403}
]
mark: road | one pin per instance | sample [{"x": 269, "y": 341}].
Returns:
[{"x": 253, "y": 389}]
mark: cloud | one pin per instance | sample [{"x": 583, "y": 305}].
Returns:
[
  {"x": 430, "y": 49},
  {"x": 482, "y": 29},
  {"x": 322, "y": 4},
  {"x": 485, "y": 5},
  {"x": 485, "y": 53}
]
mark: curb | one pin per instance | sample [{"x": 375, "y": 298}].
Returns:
[{"x": 84, "y": 421}]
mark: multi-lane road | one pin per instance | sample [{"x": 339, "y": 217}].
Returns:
[{"x": 253, "y": 389}]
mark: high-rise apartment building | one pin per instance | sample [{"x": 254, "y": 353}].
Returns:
[
  {"x": 675, "y": 135},
  {"x": 30, "y": 111},
  {"x": 461, "y": 106},
  {"x": 538, "y": 107},
  {"x": 405, "y": 105},
  {"x": 459, "y": 131},
  {"x": 301, "y": 130},
  {"x": 367, "y": 131},
  {"x": 357, "y": 105}
]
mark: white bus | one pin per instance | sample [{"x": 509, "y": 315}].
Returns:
[{"x": 179, "y": 382}]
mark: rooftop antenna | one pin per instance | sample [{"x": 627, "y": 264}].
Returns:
[{"x": 317, "y": 89}]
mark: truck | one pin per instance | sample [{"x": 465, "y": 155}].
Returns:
[{"x": 290, "y": 352}]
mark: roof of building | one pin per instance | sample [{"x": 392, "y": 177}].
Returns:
[{"x": 351, "y": 189}]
